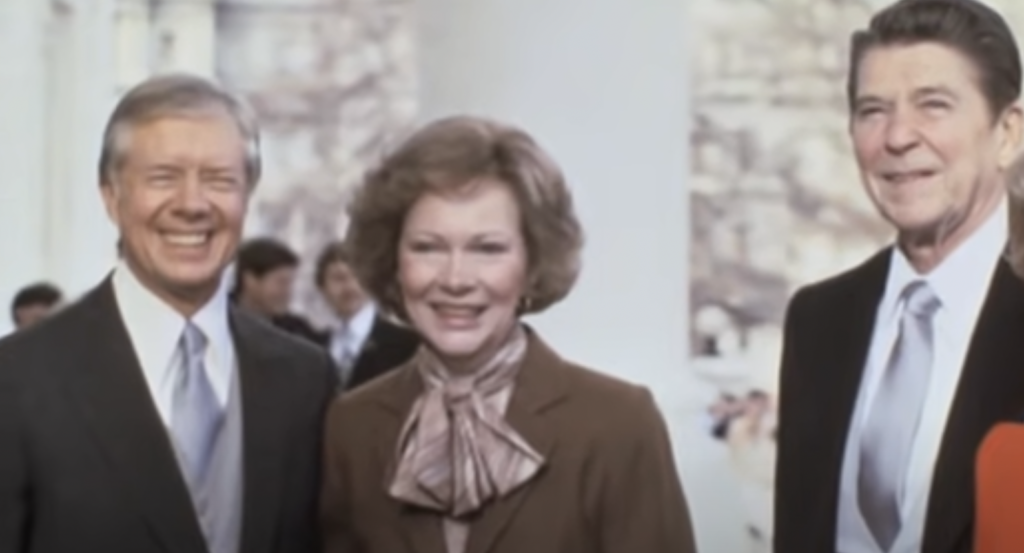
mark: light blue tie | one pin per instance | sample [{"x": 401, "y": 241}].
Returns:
[
  {"x": 197, "y": 415},
  {"x": 889, "y": 431}
]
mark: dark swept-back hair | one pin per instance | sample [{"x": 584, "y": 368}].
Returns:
[
  {"x": 972, "y": 28},
  {"x": 40, "y": 293},
  {"x": 259, "y": 256}
]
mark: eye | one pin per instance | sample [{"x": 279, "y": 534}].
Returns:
[
  {"x": 424, "y": 246},
  {"x": 868, "y": 111},
  {"x": 935, "y": 104},
  {"x": 225, "y": 182},
  {"x": 160, "y": 179},
  {"x": 492, "y": 248}
]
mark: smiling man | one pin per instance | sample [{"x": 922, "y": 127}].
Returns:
[
  {"x": 151, "y": 416},
  {"x": 893, "y": 371}
]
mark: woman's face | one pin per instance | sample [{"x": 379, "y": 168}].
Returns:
[{"x": 462, "y": 266}]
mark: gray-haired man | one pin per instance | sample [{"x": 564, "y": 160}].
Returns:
[{"x": 150, "y": 416}]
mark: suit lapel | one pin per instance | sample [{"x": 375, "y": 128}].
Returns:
[
  {"x": 362, "y": 370},
  {"x": 421, "y": 528},
  {"x": 537, "y": 387},
  {"x": 115, "y": 402},
  {"x": 839, "y": 353},
  {"x": 990, "y": 390},
  {"x": 265, "y": 412}
]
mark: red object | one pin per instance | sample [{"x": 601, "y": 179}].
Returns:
[{"x": 999, "y": 495}]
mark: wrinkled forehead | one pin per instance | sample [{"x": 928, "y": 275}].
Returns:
[{"x": 895, "y": 70}]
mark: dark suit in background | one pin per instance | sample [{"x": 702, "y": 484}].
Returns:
[
  {"x": 86, "y": 464},
  {"x": 388, "y": 346}
]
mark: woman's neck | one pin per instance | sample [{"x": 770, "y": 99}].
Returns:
[{"x": 467, "y": 364}]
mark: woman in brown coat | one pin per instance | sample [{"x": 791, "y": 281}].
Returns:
[{"x": 487, "y": 441}]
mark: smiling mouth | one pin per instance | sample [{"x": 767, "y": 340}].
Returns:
[
  {"x": 458, "y": 314},
  {"x": 187, "y": 239},
  {"x": 901, "y": 177}
]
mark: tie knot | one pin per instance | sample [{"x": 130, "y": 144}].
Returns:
[
  {"x": 458, "y": 390},
  {"x": 921, "y": 300},
  {"x": 193, "y": 340}
]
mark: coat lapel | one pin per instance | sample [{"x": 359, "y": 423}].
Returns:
[
  {"x": 421, "y": 528},
  {"x": 990, "y": 390},
  {"x": 115, "y": 403},
  {"x": 537, "y": 387},
  {"x": 265, "y": 412},
  {"x": 838, "y": 353}
]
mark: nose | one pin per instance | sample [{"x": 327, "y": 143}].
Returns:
[
  {"x": 192, "y": 197},
  {"x": 900, "y": 133},
  {"x": 455, "y": 276}
]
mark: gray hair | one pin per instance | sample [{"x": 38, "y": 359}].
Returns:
[{"x": 175, "y": 94}]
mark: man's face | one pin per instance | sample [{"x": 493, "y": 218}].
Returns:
[
  {"x": 930, "y": 153},
  {"x": 341, "y": 290},
  {"x": 271, "y": 293},
  {"x": 179, "y": 199}
]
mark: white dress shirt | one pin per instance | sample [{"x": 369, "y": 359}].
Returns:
[
  {"x": 351, "y": 336},
  {"x": 155, "y": 328},
  {"x": 961, "y": 283}
]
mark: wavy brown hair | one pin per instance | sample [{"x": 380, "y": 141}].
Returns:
[{"x": 449, "y": 155}]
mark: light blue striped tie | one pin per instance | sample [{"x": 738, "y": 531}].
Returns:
[{"x": 197, "y": 415}]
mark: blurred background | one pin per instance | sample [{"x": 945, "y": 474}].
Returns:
[{"x": 705, "y": 142}]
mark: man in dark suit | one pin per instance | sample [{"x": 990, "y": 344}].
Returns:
[
  {"x": 364, "y": 344},
  {"x": 151, "y": 416},
  {"x": 893, "y": 371}
]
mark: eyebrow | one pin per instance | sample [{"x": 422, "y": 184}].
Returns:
[
  {"x": 485, "y": 235},
  {"x": 163, "y": 168}
]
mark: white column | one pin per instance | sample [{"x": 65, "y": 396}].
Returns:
[
  {"x": 601, "y": 84},
  {"x": 85, "y": 249},
  {"x": 22, "y": 144},
  {"x": 184, "y": 36},
  {"x": 133, "y": 46}
]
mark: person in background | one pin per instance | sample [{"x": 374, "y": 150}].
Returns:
[
  {"x": 34, "y": 303},
  {"x": 264, "y": 280},
  {"x": 363, "y": 343},
  {"x": 487, "y": 439},
  {"x": 894, "y": 371}
]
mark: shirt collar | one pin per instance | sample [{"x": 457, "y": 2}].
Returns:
[
  {"x": 360, "y": 324},
  {"x": 957, "y": 281},
  {"x": 155, "y": 328}
]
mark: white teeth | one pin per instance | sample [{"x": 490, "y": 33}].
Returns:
[
  {"x": 194, "y": 239},
  {"x": 457, "y": 311}
]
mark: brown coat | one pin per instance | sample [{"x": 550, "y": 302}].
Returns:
[{"x": 609, "y": 485}]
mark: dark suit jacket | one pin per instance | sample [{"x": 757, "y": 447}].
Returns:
[
  {"x": 828, "y": 330},
  {"x": 387, "y": 347},
  {"x": 297, "y": 326},
  {"x": 86, "y": 463},
  {"x": 610, "y": 484}
]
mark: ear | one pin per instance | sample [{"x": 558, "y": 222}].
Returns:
[
  {"x": 1009, "y": 135},
  {"x": 111, "y": 195}
]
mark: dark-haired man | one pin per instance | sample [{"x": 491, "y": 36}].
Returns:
[
  {"x": 893, "y": 372},
  {"x": 34, "y": 303}
]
